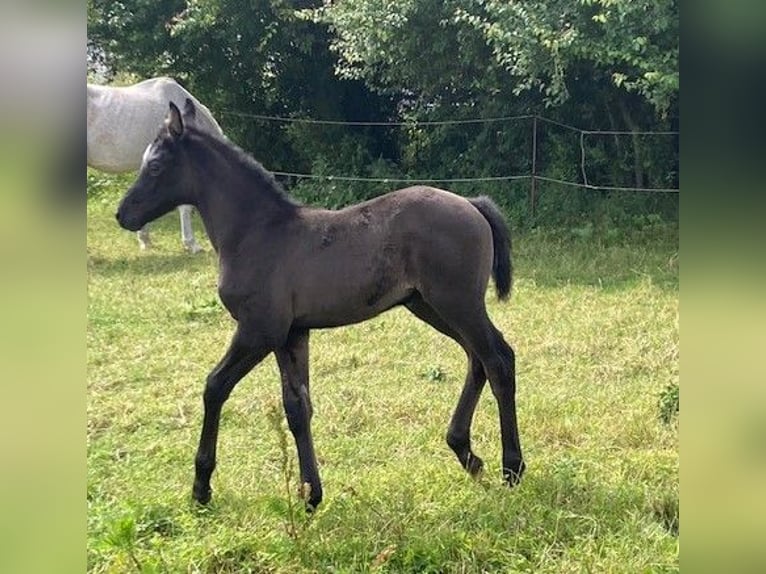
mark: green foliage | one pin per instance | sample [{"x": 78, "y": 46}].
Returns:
[
  {"x": 333, "y": 193},
  {"x": 591, "y": 63},
  {"x": 669, "y": 402},
  {"x": 541, "y": 45},
  {"x": 408, "y": 46},
  {"x": 435, "y": 374},
  {"x": 296, "y": 519},
  {"x": 596, "y": 64},
  {"x": 632, "y": 44},
  {"x": 208, "y": 308},
  {"x": 664, "y": 506}
]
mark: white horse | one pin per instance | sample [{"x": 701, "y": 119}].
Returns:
[{"x": 123, "y": 121}]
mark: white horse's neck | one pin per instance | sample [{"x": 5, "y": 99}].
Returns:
[{"x": 122, "y": 121}]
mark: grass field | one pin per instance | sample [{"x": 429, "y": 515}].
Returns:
[{"x": 595, "y": 327}]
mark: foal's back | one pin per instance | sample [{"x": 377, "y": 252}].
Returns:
[
  {"x": 123, "y": 120},
  {"x": 359, "y": 261}
]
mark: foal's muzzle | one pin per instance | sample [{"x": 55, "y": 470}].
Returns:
[{"x": 125, "y": 222}]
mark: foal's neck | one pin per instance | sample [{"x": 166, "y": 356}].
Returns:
[{"x": 235, "y": 194}]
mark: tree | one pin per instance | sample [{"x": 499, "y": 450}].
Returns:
[
  {"x": 609, "y": 64},
  {"x": 241, "y": 56},
  {"x": 540, "y": 45}
]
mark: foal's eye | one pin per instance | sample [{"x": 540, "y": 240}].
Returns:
[{"x": 155, "y": 168}]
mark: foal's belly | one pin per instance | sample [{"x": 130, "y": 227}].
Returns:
[{"x": 335, "y": 311}]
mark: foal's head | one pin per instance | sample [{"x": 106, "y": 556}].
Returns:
[{"x": 165, "y": 179}]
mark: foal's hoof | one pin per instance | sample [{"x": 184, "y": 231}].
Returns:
[
  {"x": 474, "y": 466},
  {"x": 512, "y": 474},
  {"x": 312, "y": 497},
  {"x": 312, "y": 503},
  {"x": 202, "y": 494},
  {"x": 311, "y": 507}
]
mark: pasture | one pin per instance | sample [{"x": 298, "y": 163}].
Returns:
[{"x": 594, "y": 322}]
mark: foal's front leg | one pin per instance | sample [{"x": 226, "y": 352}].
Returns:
[
  {"x": 293, "y": 360},
  {"x": 239, "y": 360}
]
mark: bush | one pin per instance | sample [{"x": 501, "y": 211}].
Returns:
[{"x": 669, "y": 403}]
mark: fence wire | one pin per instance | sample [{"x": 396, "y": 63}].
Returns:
[{"x": 585, "y": 184}]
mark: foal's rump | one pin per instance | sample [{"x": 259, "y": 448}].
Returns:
[{"x": 449, "y": 242}]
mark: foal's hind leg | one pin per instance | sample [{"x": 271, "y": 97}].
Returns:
[
  {"x": 293, "y": 361},
  {"x": 239, "y": 360},
  {"x": 501, "y": 370},
  {"x": 487, "y": 344},
  {"x": 459, "y": 433}
]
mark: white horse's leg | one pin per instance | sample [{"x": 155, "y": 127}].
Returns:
[
  {"x": 187, "y": 235},
  {"x": 143, "y": 238}
]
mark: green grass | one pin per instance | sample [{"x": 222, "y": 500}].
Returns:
[{"x": 594, "y": 323}]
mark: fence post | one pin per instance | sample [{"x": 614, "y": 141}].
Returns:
[{"x": 533, "y": 186}]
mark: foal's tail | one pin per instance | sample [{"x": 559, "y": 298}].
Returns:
[{"x": 502, "y": 267}]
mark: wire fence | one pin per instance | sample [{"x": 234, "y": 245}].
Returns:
[{"x": 534, "y": 176}]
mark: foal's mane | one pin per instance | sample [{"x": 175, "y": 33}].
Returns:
[{"x": 231, "y": 152}]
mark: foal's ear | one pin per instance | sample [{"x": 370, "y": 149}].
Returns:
[
  {"x": 190, "y": 112},
  {"x": 174, "y": 122}
]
